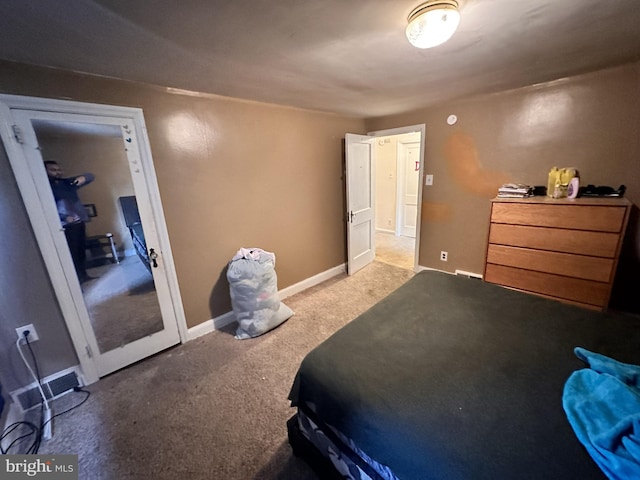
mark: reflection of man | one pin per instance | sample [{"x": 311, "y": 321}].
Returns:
[{"x": 72, "y": 213}]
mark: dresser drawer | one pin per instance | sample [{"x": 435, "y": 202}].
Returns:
[
  {"x": 580, "y": 242},
  {"x": 590, "y": 268},
  {"x": 592, "y": 217},
  {"x": 559, "y": 248},
  {"x": 557, "y": 286}
]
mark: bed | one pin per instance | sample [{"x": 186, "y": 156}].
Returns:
[{"x": 452, "y": 378}]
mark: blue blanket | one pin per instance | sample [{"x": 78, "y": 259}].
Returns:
[{"x": 602, "y": 404}]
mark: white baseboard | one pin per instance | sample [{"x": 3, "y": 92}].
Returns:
[
  {"x": 384, "y": 230},
  {"x": 210, "y": 326},
  {"x": 227, "y": 318},
  {"x": 46, "y": 387},
  {"x": 420, "y": 268},
  {"x": 462, "y": 273},
  {"x": 311, "y": 281},
  {"x": 17, "y": 413}
]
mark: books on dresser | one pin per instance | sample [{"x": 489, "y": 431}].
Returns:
[{"x": 515, "y": 190}]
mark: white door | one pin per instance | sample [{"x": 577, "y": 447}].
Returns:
[
  {"x": 360, "y": 202},
  {"x": 408, "y": 181},
  {"x": 111, "y": 343}
]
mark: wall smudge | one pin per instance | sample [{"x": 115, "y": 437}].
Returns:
[{"x": 466, "y": 170}]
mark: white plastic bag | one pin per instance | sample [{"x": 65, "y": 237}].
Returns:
[{"x": 253, "y": 285}]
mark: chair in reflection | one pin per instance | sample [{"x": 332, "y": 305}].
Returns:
[
  {"x": 102, "y": 247},
  {"x": 99, "y": 247},
  {"x": 131, "y": 214}
]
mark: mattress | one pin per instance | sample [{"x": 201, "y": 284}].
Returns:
[
  {"x": 451, "y": 377},
  {"x": 343, "y": 455}
]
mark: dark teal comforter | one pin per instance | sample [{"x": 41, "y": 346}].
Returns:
[{"x": 454, "y": 378}]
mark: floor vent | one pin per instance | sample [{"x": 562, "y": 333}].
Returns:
[
  {"x": 63, "y": 384},
  {"x": 52, "y": 388},
  {"x": 462, "y": 273}
]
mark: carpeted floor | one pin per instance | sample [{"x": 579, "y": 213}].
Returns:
[
  {"x": 395, "y": 250},
  {"x": 216, "y": 407},
  {"x": 122, "y": 303}
]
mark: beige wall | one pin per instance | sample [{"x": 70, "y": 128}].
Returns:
[
  {"x": 26, "y": 294},
  {"x": 231, "y": 174},
  {"x": 104, "y": 156},
  {"x": 590, "y": 122}
]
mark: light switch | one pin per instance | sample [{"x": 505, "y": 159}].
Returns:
[{"x": 428, "y": 180}]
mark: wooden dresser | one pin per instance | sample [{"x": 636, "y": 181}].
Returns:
[{"x": 564, "y": 249}]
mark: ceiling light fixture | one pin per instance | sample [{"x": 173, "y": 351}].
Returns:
[{"x": 433, "y": 23}]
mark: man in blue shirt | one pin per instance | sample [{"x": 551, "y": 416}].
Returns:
[{"x": 71, "y": 212}]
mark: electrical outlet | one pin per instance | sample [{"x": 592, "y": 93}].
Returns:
[
  {"x": 33, "y": 335},
  {"x": 428, "y": 180},
  {"x": 444, "y": 256}
]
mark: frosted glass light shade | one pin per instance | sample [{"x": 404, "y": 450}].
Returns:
[{"x": 433, "y": 23}]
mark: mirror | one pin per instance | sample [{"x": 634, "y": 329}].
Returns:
[{"x": 119, "y": 293}]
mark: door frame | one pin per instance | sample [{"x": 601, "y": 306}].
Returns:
[
  {"x": 421, "y": 128},
  {"x": 38, "y": 218}
]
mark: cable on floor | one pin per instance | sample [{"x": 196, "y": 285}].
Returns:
[{"x": 44, "y": 430}]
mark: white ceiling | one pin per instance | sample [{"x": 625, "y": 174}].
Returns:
[{"x": 344, "y": 56}]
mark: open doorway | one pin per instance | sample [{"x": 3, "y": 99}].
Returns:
[
  {"x": 397, "y": 209},
  {"x": 397, "y": 182}
]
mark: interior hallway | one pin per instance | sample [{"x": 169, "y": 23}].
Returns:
[{"x": 395, "y": 250}]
